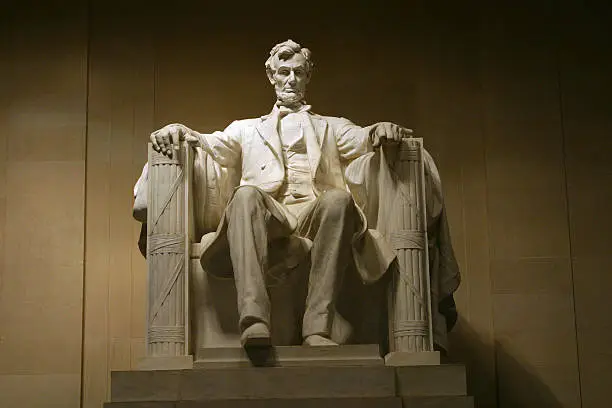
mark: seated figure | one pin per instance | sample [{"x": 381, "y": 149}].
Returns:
[{"x": 293, "y": 186}]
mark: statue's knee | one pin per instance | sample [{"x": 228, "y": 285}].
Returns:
[
  {"x": 245, "y": 197},
  {"x": 246, "y": 193},
  {"x": 336, "y": 200}
]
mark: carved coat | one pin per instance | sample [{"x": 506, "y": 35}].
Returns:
[{"x": 254, "y": 146}]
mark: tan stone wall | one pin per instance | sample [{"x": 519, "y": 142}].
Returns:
[
  {"x": 511, "y": 101},
  {"x": 43, "y": 74}
]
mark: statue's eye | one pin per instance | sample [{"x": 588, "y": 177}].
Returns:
[{"x": 283, "y": 72}]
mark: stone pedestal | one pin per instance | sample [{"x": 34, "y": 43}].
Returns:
[
  {"x": 417, "y": 358},
  {"x": 290, "y": 356},
  {"x": 360, "y": 383}
]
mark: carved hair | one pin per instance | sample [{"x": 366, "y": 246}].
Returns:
[{"x": 286, "y": 50}]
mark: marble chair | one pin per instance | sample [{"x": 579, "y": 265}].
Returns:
[{"x": 180, "y": 201}]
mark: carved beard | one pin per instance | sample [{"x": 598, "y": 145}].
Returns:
[{"x": 288, "y": 99}]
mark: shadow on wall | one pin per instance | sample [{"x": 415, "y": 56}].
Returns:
[{"x": 495, "y": 377}]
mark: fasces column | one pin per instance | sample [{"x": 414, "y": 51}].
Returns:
[
  {"x": 409, "y": 299},
  {"x": 168, "y": 245}
]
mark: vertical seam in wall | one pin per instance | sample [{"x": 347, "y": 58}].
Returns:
[
  {"x": 558, "y": 62},
  {"x": 85, "y": 145},
  {"x": 135, "y": 98},
  {"x": 108, "y": 341},
  {"x": 465, "y": 240},
  {"x": 133, "y": 133},
  {"x": 483, "y": 134},
  {"x": 483, "y": 118},
  {"x": 4, "y": 106}
]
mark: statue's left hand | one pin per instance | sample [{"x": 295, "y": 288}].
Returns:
[{"x": 387, "y": 132}]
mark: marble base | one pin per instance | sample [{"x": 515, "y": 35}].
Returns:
[
  {"x": 290, "y": 356},
  {"x": 400, "y": 359},
  {"x": 343, "y": 376},
  {"x": 165, "y": 363},
  {"x": 376, "y": 402},
  {"x": 431, "y": 381},
  {"x": 288, "y": 382}
]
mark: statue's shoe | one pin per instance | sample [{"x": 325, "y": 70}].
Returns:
[
  {"x": 318, "y": 340},
  {"x": 256, "y": 335}
]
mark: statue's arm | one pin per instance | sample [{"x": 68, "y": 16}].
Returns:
[
  {"x": 223, "y": 146},
  {"x": 354, "y": 141}
]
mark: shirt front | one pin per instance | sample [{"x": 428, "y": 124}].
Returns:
[{"x": 297, "y": 190}]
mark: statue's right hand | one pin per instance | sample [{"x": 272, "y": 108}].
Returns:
[{"x": 168, "y": 138}]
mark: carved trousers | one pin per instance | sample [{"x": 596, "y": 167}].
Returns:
[{"x": 329, "y": 223}]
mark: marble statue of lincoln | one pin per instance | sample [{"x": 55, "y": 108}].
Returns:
[{"x": 292, "y": 183}]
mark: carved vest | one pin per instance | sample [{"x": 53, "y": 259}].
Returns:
[{"x": 297, "y": 187}]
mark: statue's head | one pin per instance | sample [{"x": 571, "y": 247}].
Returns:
[{"x": 289, "y": 68}]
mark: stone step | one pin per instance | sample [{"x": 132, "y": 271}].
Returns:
[
  {"x": 372, "y": 402},
  {"x": 290, "y": 356},
  {"x": 288, "y": 382},
  {"x": 252, "y": 382},
  {"x": 457, "y": 401},
  {"x": 440, "y": 380}
]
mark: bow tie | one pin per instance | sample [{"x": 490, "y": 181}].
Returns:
[{"x": 285, "y": 110}]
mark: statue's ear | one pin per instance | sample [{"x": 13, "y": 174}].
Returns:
[{"x": 270, "y": 74}]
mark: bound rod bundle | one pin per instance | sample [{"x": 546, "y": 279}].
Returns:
[
  {"x": 167, "y": 253},
  {"x": 411, "y": 328}
]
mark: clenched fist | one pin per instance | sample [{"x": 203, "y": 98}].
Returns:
[
  {"x": 168, "y": 138},
  {"x": 385, "y": 132}
]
